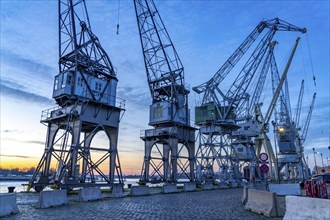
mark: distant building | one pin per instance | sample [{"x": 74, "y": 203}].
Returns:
[{"x": 321, "y": 170}]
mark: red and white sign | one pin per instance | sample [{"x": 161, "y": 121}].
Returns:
[
  {"x": 264, "y": 168},
  {"x": 263, "y": 157}
]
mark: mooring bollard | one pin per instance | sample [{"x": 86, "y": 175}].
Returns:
[{"x": 11, "y": 189}]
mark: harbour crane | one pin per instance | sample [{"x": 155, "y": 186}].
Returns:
[
  {"x": 290, "y": 153},
  {"x": 263, "y": 140},
  {"x": 301, "y": 139},
  {"x": 85, "y": 93},
  {"x": 244, "y": 137},
  {"x": 290, "y": 138},
  {"x": 170, "y": 145},
  {"x": 219, "y": 113}
]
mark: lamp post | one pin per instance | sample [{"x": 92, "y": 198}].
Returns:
[
  {"x": 275, "y": 142},
  {"x": 322, "y": 160},
  {"x": 315, "y": 160}
]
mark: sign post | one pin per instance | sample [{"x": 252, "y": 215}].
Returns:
[{"x": 263, "y": 161}]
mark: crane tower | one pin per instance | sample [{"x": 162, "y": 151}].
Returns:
[
  {"x": 169, "y": 146},
  {"x": 85, "y": 93}
]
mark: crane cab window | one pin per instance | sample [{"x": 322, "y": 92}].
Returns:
[
  {"x": 98, "y": 86},
  {"x": 80, "y": 82},
  {"x": 240, "y": 149},
  {"x": 158, "y": 112},
  {"x": 204, "y": 112},
  {"x": 69, "y": 80},
  {"x": 56, "y": 83}
]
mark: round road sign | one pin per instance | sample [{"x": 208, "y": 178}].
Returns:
[
  {"x": 264, "y": 168},
  {"x": 263, "y": 157}
]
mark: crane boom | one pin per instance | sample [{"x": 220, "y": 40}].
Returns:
[
  {"x": 279, "y": 87},
  {"x": 164, "y": 69},
  {"x": 233, "y": 59},
  {"x": 275, "y": 24},
  {"x": 299, "y": 103},
  {"x": 77, "y": 43},
  {"x": 165, "y": 72},
  {"x": 168, "y": 113},
  {"x": 263, "y": 128},
  {"x": 238, "y": 88},
  {"x": 231, "y": 104},
  {"x": 287, "y": 100},
  {"x": 309, "y": 116},
  {"x": 261, "y": 79},
  {"x": 282, "y": 114}
]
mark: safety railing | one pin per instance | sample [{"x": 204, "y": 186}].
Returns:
[{"x": 45, "y": 114}]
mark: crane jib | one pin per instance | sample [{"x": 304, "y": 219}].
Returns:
[{"x": 275, "y": 24}]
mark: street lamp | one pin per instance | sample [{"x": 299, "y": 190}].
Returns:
[
  {"x": 322, "y": 160},
  {"x": 315, "y": 160}
]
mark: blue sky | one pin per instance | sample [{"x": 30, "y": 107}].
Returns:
[{"x": 205, "y": 33}]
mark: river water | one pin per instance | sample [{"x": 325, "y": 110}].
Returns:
[
  {"x": 4, "y": 184},
  {"x": 21, "y": 186}
]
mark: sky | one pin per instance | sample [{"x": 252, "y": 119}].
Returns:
[{"x": 204, "y": 33}]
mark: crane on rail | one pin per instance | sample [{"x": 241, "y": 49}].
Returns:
[
  {"x": 170, "y": 144},
  {"x": 85, "y": 93},
  {"x": 220, "y": 112}
]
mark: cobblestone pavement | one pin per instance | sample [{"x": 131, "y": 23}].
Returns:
[{"x": 212, "y": 204}]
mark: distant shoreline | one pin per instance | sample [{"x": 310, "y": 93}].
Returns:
[{"x": 18, "y": 178}]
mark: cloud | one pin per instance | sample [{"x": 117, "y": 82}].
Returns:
[
  {"x": 9, "y": 131},
  {"x": 130, "y": 150},
  {"x": 22, "y": 141},
  {"x": 20, "y": 156},
  {"x": 24, "y": 74},
  {"x": 138, "y": 96},
  {"x": 12, "y": 84},
  {"x": 39, "y": 70},
  {"x": 23, "y": 95},
  {"x": 34, "y": 142}
]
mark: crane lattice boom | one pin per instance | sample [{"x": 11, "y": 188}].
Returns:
[
  {"x": 237, "y": 92},
  {"x": 77, "y": 43},
  {"x": 299, "y": 103},
  {"x": 164, "y": 69},
  {"x": 275, "y": 24},
  {"x": 309, "y": 116},
  {"x": 254, "y": 100}
]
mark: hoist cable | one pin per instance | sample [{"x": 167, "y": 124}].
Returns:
[
  {"x": 310, "y": 57},
  {"x": 118, "y": 17}
]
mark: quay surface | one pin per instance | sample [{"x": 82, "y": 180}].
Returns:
[{"x": 207, "y": 204}]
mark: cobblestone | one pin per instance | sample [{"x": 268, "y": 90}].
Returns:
[{"x": 210, "y": 204}]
